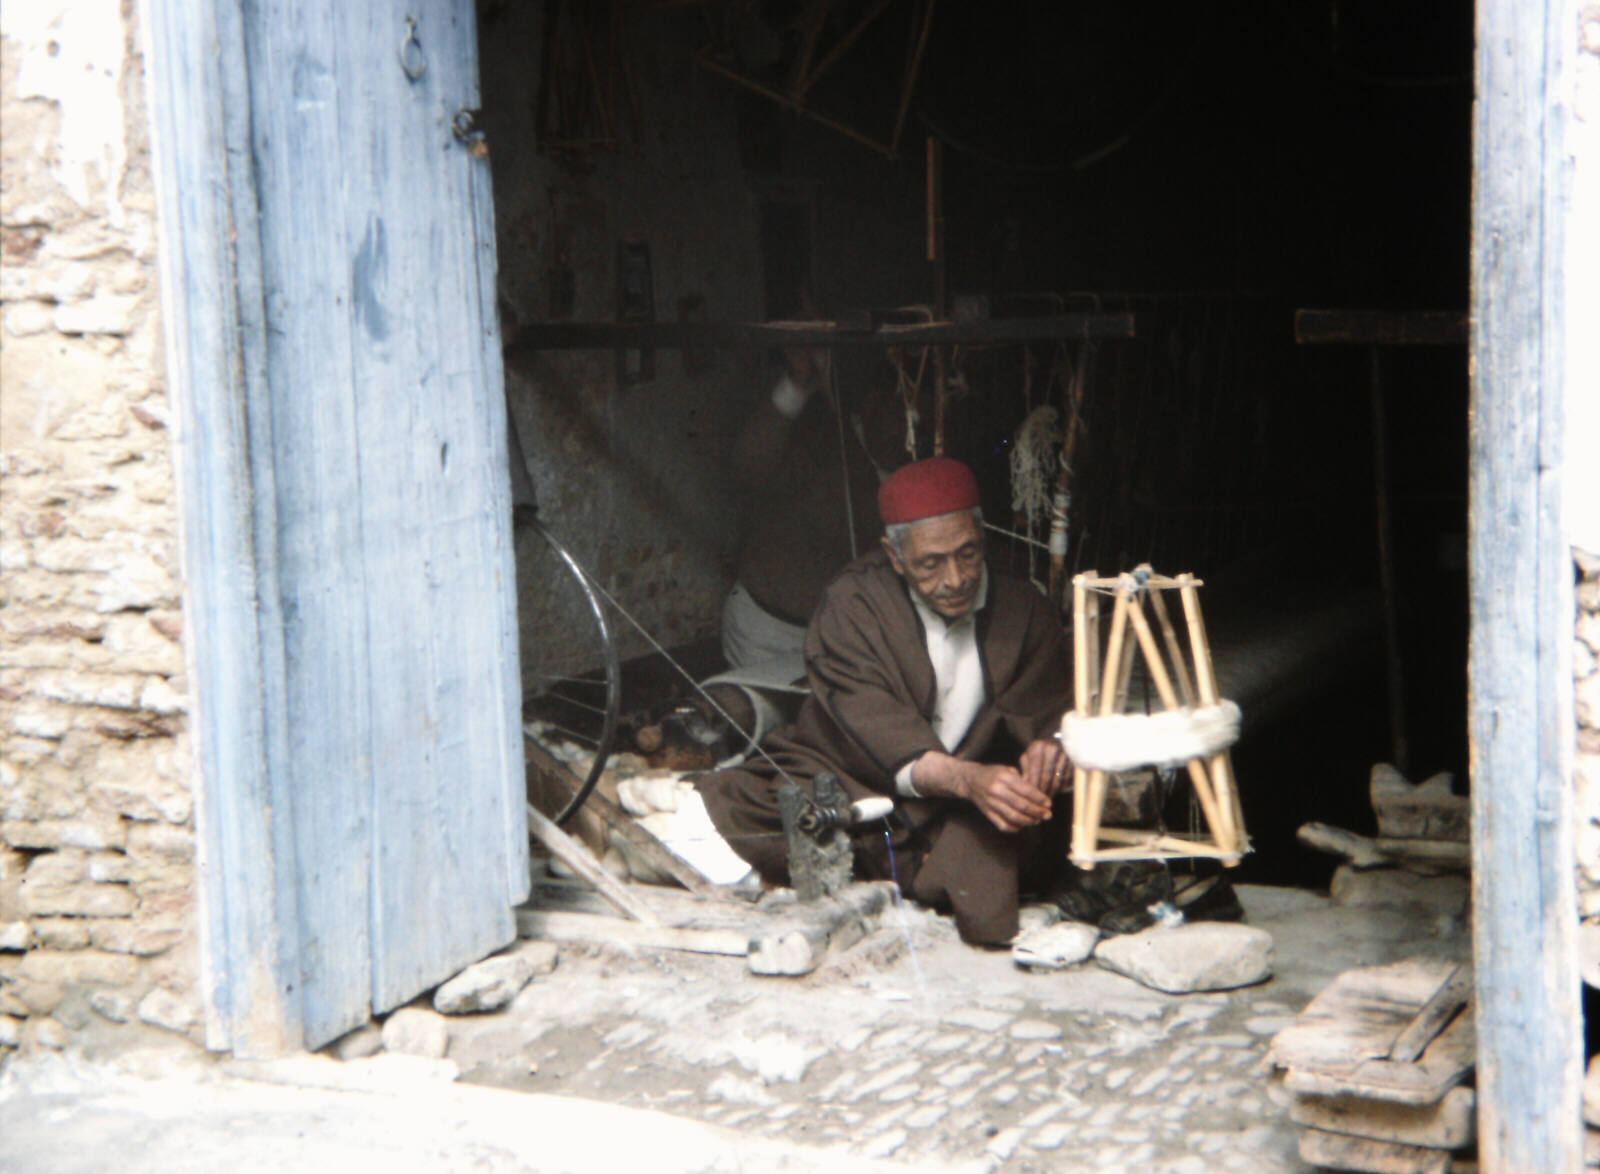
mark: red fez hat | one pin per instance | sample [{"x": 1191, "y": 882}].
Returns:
[{"x": 926, "y": 489}]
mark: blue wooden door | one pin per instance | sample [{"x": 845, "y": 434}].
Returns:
[{"x": 400, "y": 754}]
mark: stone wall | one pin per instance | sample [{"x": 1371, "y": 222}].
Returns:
[
  {"x": 97, "y": 920},
  {"x": 1586, "y": 767}
]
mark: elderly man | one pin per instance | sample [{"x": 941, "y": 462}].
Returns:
[{"x": 935, "y": 680}]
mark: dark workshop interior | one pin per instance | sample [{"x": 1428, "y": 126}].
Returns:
[{"x": 1207, "y": 171}]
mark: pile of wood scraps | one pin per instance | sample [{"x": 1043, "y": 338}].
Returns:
[
  {"x": 1422, "y": 827},
  {"x": 776, "y": 934},
  {"x": 1377, "y": 1066}
]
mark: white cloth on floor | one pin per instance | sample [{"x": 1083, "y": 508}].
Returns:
[{"x": 678, "y": 818}]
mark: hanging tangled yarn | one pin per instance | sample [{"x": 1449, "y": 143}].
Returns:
[{"x": 1033, "y": 470}]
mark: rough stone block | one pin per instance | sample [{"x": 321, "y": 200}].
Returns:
[
  {"x": 110, "y": 690},
  {"x": 10, "y": 1031},
  {"x": 131, "y": 936},
  {"x": 484, "y": 986},
  {"x": 117, "y": 1006},
  {"x": 160, "y": 841},
  {"x": 137, "y": 581},
  {"x": 164, "y": 1008},
  {"x": 1201, "y": 956},
  {"x": 34, "y": 720},
  {"x": 9, "y": 1003},
  {"x": 41, "y": 1031},
  {"x": 39, "y": 998},
  {"x": 92, "y": 829},
  {"x": 15, "y": 936},
  {"x": 84, "y": 899},
  {"x": 1586, "y": 700},
  {"x": 67, "y": 866},
  {"x": 1589, "y": 952},
  {"x": 101, "y": 314},
  {"x": 414, "y": 1031},
  {"x": 79, "y": 966},
  {"x": 135, "y": 646},
  {"x": 109, "y": 866},
  {"x": 12, "y": 863},
  {"x": 28, "y": 318},
  {"x": 61, "y": 933},
  {"x": 154, "y": 801}
]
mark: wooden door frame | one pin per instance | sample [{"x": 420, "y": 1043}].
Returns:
[{"x": 1522, "y": 726}]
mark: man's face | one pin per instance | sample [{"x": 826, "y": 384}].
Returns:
[{"x": 942, "y": 562}]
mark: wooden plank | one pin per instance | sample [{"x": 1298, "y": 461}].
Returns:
[
  {"x": 1335, "y": 1151},
  {"x": 1441, "y": 1067},
  {"x": 313, "y": 440},
  {"x": 660, "y": 857},
  {"x": 556, "y": 925},
  {"x": 1446, "y": 1003},
  {"x": 432, "y": 486},
  {"x": 545, "y": 336},
  {"x": 1520, "y": 707},
  {"x": 1448, "y": 1125},
  {"x": 208, "y": 222},
  {"x": 578, "y": 858},
  {"x": 1381, "y": 327},
  {"x": 1359, "y": 1015}
]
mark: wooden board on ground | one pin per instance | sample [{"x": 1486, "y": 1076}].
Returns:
[
  {"x": 1344, "y": 1042},
  {"x": 1335, "y": 1151},
  {"x": 778, "y": 935},
  {"x": 1448, "y": 1125}
]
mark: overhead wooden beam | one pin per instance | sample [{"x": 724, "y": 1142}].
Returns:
[
  {"x": 1521, "y": 720},
  {"x": 578, "y": 336},
  {"x": 1381, "y": 327}
]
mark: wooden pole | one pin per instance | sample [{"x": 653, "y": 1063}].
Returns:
[
  {"x": 1218, "y": 818},
  {"x": 1399, "y": 746},
  {"x": 1520, "y": 584}
]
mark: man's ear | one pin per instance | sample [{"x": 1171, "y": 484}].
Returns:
[{"x": 894, "y": 556}]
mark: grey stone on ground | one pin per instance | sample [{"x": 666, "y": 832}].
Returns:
[
  {"x": 364, "y": 1041},
  {"x": 1398, "y": 888},
  {"x": 1201, "y": 956},
  {"x": 415, "y": 1031},
  {"x": 485, "y": 986}
]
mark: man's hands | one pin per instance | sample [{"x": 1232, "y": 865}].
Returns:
[
  {"x": 1044, "y": 765},
  {"x": 1012, "y": 797}
]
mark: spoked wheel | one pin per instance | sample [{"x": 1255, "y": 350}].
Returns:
[{"x": 572, "y": 679}]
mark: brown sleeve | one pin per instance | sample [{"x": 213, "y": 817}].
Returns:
[{"x": 857, "y": 679}]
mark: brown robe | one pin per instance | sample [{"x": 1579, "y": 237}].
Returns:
[{"x": 869, "y": 713}]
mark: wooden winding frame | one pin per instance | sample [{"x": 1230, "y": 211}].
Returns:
[{"x": 1101, "y": 690}]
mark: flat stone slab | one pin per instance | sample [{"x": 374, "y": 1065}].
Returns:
[{"x": 1202, "y": 956}]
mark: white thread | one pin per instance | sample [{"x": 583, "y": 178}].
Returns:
[{"x": 1124, "y": 741}]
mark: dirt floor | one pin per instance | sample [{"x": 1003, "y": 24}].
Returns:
[{"x": 916, "y": 1048}]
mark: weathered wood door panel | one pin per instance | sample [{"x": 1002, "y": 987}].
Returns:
[{"x": 362, "y": 773}]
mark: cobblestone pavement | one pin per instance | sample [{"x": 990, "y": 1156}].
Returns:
[{"x": 919, "y": 1049}]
